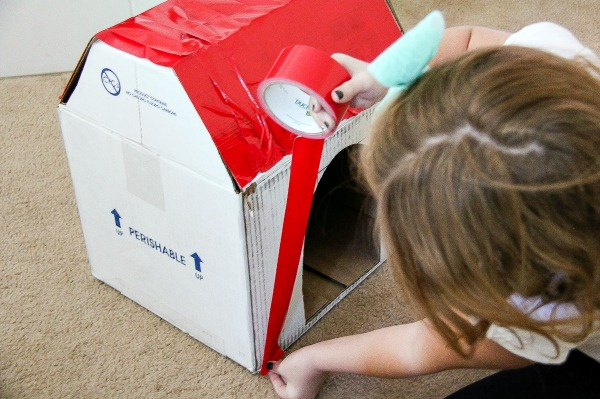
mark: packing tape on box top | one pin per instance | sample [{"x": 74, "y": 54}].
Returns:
[{"x": 298, "y": 73}]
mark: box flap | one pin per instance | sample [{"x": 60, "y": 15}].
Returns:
[{"x": 221, "y": 50}]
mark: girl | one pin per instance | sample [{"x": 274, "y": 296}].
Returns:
[{"x": 486, "y": 170}]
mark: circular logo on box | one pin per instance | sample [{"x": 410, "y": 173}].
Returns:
[{"x": 111, "y": 81}]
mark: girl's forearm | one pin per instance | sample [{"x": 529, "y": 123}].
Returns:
[
  {"x": 398, "y": 351},
  {"x": 389, "y": 352},
  {"x": 402, "y": 351}
]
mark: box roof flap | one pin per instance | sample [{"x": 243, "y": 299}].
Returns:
[{"x": 222, "y": 49}]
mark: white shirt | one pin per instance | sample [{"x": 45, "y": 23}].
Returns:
[
  {"x": 552, "y": 38},
  {"x": 536, "y": 347}
]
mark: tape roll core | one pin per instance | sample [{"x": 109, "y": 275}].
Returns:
[
  {"x": 288, "y": 105},
  {"x": 299, "y": 73}
]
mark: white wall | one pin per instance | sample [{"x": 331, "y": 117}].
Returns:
[{"x": 46, "y": 36}]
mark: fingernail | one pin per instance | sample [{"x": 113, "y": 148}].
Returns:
[
  {"x": 269, "y": 365},
  {"x": 340, "y": 94},
  {"x": 326, "y": 124}
]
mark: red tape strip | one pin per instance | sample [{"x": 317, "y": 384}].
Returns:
[
  {"x": 306, "y": 157},
  {"x": 299, "y": 72}
]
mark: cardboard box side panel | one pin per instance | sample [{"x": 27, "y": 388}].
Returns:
[
  {"x": 351, "y": 131},
  {"x": 264, "y": 220},
  {"x": 146, "y": 103},
  {"x": 296, "y": 334},
  {"x": 162, "y": 235},
  {"x": 263, "y": 225}
]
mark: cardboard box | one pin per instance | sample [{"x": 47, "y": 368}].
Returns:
[{"x": 181, "y": 180}]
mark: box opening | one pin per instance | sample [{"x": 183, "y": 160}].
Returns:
[{"x": 340, "y": 246}]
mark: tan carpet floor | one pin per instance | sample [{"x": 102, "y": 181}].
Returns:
[{"x": 64, "y": 334}]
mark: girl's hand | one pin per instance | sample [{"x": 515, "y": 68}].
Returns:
[
  {"x": 361, "y": 91},
  {"x": 295, "y": 377}
]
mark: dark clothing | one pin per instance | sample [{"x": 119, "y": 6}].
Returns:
[{"x": 578, "y": 378}]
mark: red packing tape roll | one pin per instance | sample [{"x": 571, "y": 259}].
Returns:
[{"x": 298, "y": 73}]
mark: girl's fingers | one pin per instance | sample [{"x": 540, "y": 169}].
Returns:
[
  {"x": 277, "y": 380},
  {"x": 348, "y": 90},
  {"x": 323, "y": 119},
  {"x": 314, "y": 105},
  {"x": 352, "y": 65}
]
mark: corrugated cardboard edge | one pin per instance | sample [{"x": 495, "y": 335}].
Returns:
[{"x": 72, "y": 83}]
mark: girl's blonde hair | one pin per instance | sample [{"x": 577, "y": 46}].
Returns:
[{"x": 487, "y": 177}]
